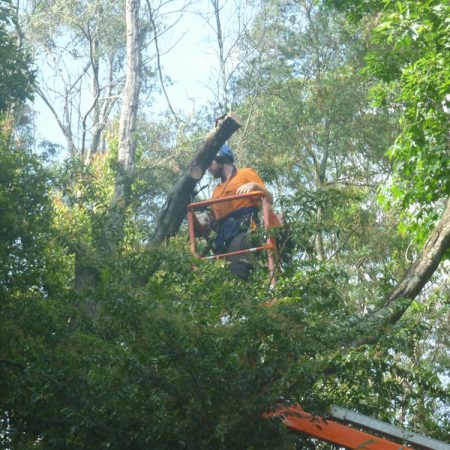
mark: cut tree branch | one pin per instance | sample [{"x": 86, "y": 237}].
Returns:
[{"x": 173, "y": 214}]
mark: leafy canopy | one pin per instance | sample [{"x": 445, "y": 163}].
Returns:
[{"x": 16, "y": 75}]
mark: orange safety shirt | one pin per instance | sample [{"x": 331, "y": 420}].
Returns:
[{"x": 230, "y": 186}]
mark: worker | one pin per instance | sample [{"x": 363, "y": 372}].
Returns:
[{"x": 234, "y": 218}]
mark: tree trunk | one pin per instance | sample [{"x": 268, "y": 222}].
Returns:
[
  {"x": 413, "y": 281},
  {"x": 127, "y": 125},
  {"x": 95, "y": 108},
  {"x": 114, "y": 223},
  {"x": 173, "y": 214},
  {"x": 223, "y": 99},
  {"x": 419, "y": 273},
  {"x": 321, "y": 169}
]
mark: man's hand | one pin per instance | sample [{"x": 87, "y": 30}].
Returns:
[
  {"x": 248, "y": 187},
  {"x": 253, "y": 186}
]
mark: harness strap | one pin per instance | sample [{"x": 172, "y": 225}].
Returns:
[{"x": 233, "y": 224}]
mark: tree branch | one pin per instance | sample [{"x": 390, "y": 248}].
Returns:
[{"x": 413, "y": 281}]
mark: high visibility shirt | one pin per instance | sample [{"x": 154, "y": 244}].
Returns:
[{"x": 230, "y": 186}]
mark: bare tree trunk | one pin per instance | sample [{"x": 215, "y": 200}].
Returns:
[
  {"x": 222, "y": 70},
  {"x": 96, "y": 92},
  {"x": 127, "y": 125},
  {"x": 171, "y": 218},
  {"x": 101, "y": 114},
  {"x": 128, "y": 118},
  {"x": 321, "y": 170},
  {"x": 95, "y": 64}
]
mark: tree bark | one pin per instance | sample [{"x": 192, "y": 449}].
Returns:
[
  {"x": 174, "y": 212},
  {"x": 127, "y": 125},
  {"x": 321, "y": 170}
]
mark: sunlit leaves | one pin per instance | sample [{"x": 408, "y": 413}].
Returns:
[{"x": 414, "y": 69}]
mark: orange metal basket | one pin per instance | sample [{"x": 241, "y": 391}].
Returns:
[{"x": 269, "y": 246}]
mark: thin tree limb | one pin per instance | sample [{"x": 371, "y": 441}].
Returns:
[{"x": 158, "y": 60}]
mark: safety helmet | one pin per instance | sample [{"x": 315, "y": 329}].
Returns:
[{"x": 224, "y": 155}]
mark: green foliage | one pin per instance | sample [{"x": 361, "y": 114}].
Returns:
[
  {"x": 170, "y": 352},
  {"x": 82, "y": 199},
  {"x": 421, "y": 153},
  {"x": 155, "y": 365},
  {"x": 25, "y": 219},
  {"x": 389, "y": 380},
  {"x": 312, "y": 133},
  {"x": 359, "y": 237},
  {"x": 100, "y": 17},
  {"x": 148, "y": 371},
  {"x": 16, "y": 76},
  {"x": 410, "y": 58}
]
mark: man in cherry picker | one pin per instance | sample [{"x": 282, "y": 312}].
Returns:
[{"x": 236, "y": 217}]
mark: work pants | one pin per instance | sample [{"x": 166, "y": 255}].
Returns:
[{"x": 240, "y": 265}]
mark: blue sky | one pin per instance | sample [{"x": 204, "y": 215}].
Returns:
[{"x": 188, "y": 58}]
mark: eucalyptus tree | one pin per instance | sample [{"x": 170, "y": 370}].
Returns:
[
  {"x": 106, "y": 48},
  {"x": 79, "y": 49},
  {"x": 130, "y": 101}
]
